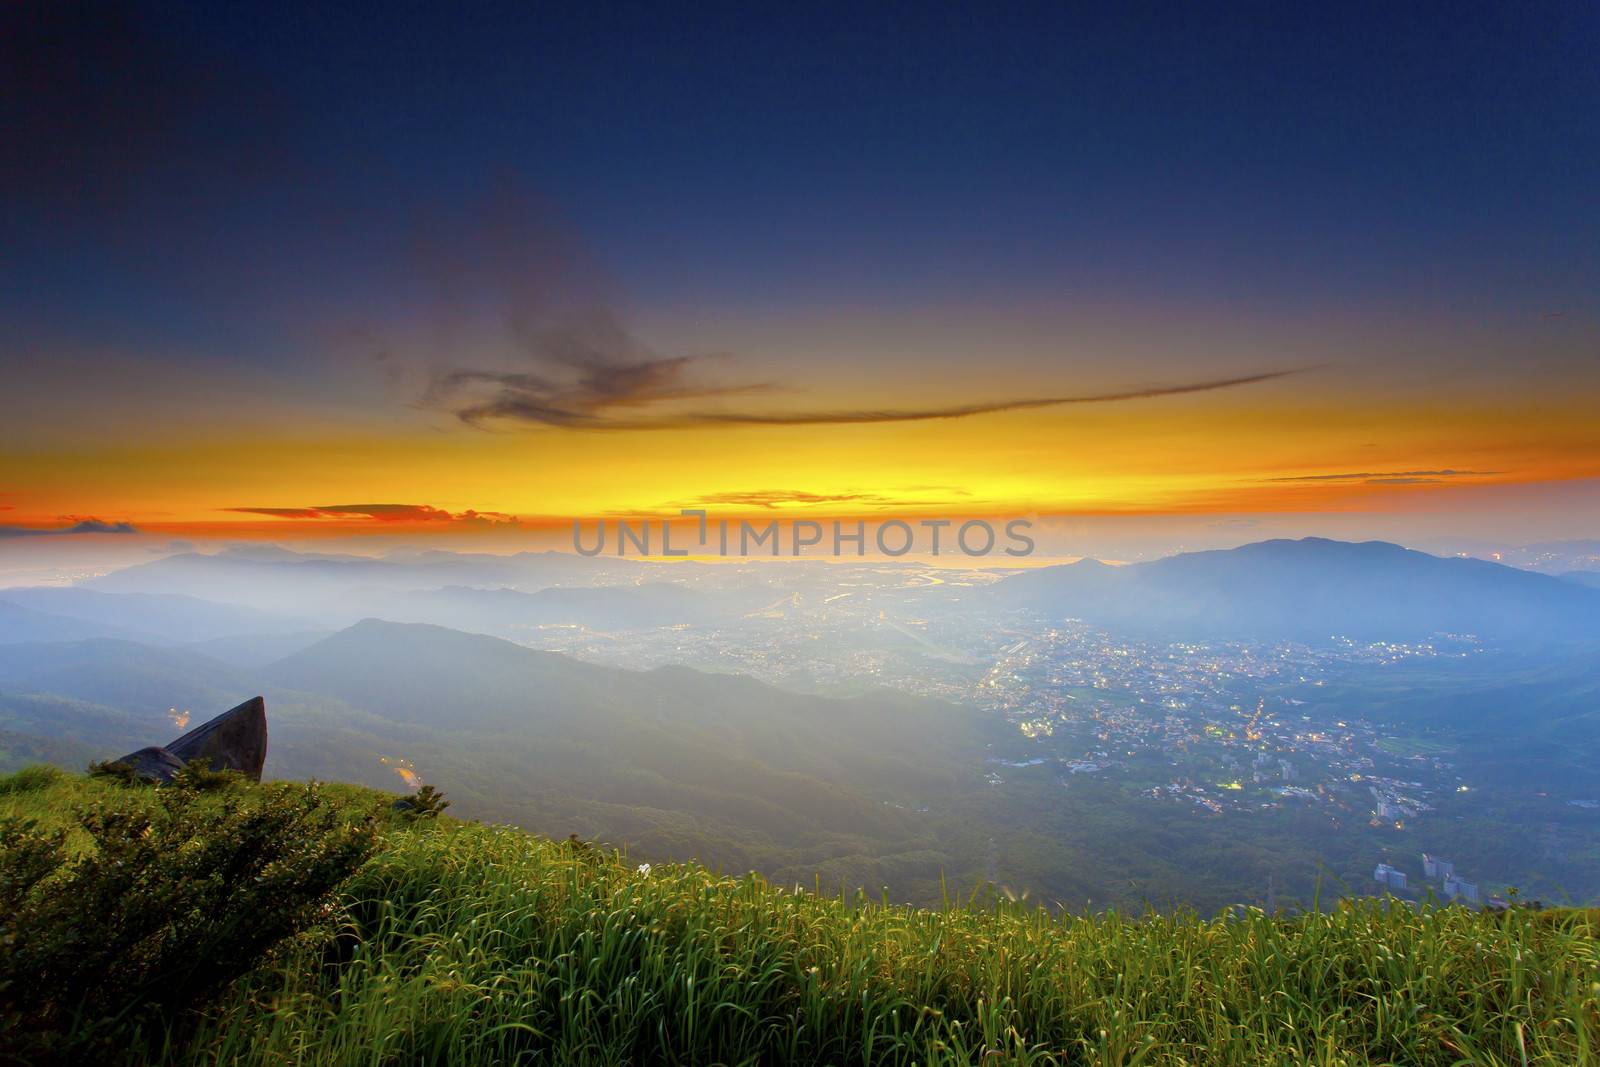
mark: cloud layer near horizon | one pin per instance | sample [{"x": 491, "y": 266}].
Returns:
[
  {"x": 88, "y": 525},
  {"x": 383, "y": 513},
  {"x": 1388, "y": 477}
]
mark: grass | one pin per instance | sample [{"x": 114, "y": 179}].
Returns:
[{"x": 465, "y": 944}]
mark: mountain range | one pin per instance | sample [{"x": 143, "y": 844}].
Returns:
[
  {"x": 881, "y": 789},
  {"x": 673, "y": 761},
  {"x": 1312, "y": 590},
  {"x": 278, "y": 580}
]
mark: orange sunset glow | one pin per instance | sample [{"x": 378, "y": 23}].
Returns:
[{"x": 1268, "y": 448}]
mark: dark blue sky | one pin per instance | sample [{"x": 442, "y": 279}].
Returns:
[{"x": 1434, "y": 156}]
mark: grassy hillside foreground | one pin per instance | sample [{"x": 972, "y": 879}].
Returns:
[{"x": 469, "y": 944}]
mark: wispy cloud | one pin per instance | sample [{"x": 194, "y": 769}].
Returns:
[
  {"x": 614, "y": 406},
  {"x": 79, "y": 525},
  {"x": 502, "y": 278},
  {"x": 410, "y": 513},
  {"x": 518, "y": 290},
  {"x": 774, "y": 498},
  {"x": 1404, "y": 480},
  {"x": 1388, "y": 477},
  {"x": 591, "y": 373}
]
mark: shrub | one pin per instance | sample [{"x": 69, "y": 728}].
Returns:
[
  {"x": 425, "y": 803},
  {"x": 198, "y": 775},
  {"x": 117, "y": 771},
  {"x": 30, "y": 778},
  {"x": 168, "y": 906}
]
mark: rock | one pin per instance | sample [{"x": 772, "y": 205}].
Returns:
[
  {"x": 236, "y": 740},
  {"x": 154, "y": 763}
]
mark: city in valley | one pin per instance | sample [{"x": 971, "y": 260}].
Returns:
[{"x": 1223, "y": 730}]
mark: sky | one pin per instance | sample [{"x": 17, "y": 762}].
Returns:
[{"x": 1173, "y": 276}]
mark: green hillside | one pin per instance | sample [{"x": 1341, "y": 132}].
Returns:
[{"x": 462, "y": 943}]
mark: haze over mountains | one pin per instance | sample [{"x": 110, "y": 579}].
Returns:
[
  {"x": 1588, "y": 578},
  {"x": 20, "y": 623},
  {"x": 163, "y": 617},
  {"x": 510, "y": 611},
  {"x": 673, "y": 761},
  {"x": 420, "y": 660},
  {"x": 278, "y": 580},
  {"x": 1313, "y": 589}
]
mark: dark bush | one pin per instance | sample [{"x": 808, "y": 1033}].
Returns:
[
  {"x": 198, "y": 775},
  {"x": 168, "y": 906},
  {"x": 117, "y": 771},
  {"x": 425, "y": 803}
]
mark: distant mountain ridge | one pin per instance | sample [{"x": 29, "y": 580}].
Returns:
[
  {"x": 1585, "y": 578},
  {"x": 278, "y": 580},
  {"x": 505, "y": 612},
  {"x": 440, "y": 677},
  {"x": 160, "y": 617},
  {"x": 21, "y": 624},
  {"x": 1312, "y": 589},
  {"x": 674, "y": 761}
]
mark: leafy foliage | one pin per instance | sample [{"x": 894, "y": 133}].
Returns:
[
  {"x": 197, "y": 775},
  {"x": 166, "y": 905},
  {"x": 426, "y": 803},
  {"x": 117, "y": 771}
]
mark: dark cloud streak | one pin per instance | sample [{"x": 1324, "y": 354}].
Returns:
[
  {"x": 79, "y": 526},
  {"x": 1387, "y": 477},
  {"x": 774, "y": 498},
  {"x": 380, "y": 513},
  {"x": 508, "y": 280},
  {"x": 531, "y": 399}
]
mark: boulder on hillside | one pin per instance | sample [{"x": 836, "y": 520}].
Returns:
[
  {"x": 153, "y": 762},
  {"x": 236, "y": 740}
]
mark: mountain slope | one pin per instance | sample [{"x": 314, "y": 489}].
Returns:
[
  {"x": 158, "y": 616},
  {"x": 1590, "y": 579},
  {"x": 138, "y": 678},
  {"x": 672, "y": 761},
  {"x": 471, "y": 683},
  {"x": 20, "y": 624},
  {"x": 1313, "y": 589},
  {"x": 308, "y": 584},
  {"x": 511, "y": 612}
]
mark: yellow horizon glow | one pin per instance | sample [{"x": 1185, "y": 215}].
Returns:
[{"x": 1183, "y": 455}]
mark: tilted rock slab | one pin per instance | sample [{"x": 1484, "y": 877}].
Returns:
[
  {"x": 236, "y": 740},
  {"x": 153, "y": 762}
]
